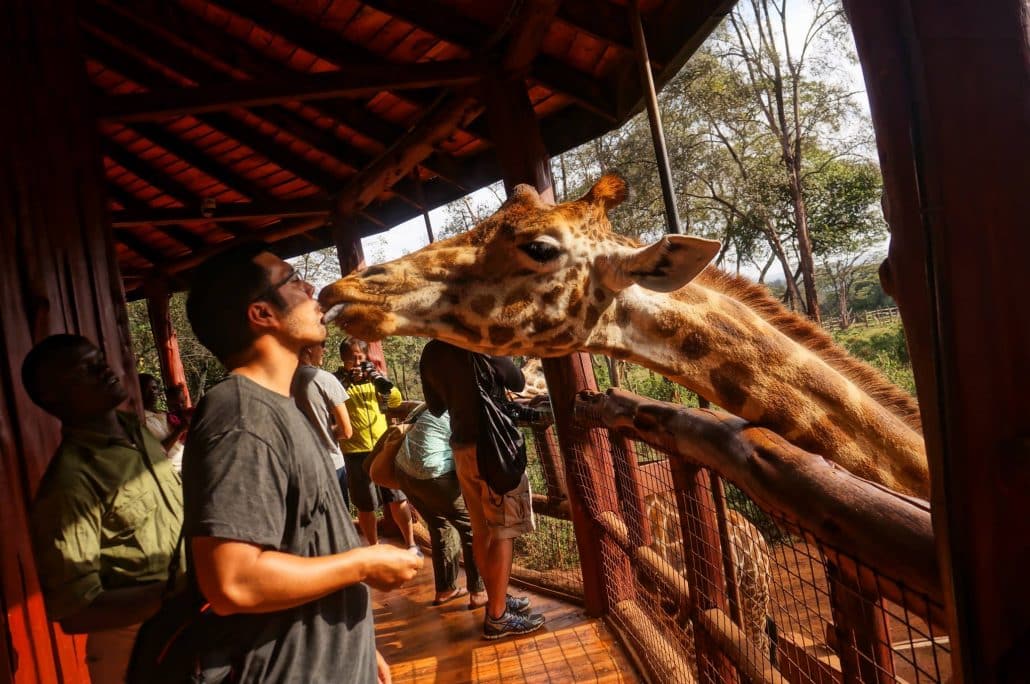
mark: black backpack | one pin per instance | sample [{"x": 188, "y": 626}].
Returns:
[
  {"x": 169, "y": 644},
  {"x": 500, "y": 448}
]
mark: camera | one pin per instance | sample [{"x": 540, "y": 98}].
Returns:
[
  {"x": 526, "y": 415},
  {"x": 367, "y": 371}
]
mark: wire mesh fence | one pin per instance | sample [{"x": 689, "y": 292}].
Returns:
[
  {"x": 706, "y": 586},
  {"x": 548, "y": 558}
]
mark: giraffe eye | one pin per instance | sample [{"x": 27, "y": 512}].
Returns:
[{"x": 541, "y": 251}]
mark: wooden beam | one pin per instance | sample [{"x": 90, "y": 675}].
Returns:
[
  {"x": 352, "y": 81},
  {"x": 223, "y": 212},
  {"x": 245, "y": 58},
  {"x": 456, "y": 28},
  {"x": 198, "y": 159},
  {"x": 398, "y": 161},
  {"x": 127, "y": 238},
  {"x": 530, "y": 27},
  {"x": 227, "y": 124},
  {"x": 143, "y": 170},
  {"x": 606, "y": 21}
]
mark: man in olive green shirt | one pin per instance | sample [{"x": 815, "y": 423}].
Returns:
[{"x": 108, "y": 512}]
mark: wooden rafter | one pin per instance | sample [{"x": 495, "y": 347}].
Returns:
[
  {"x": 354, "y": 82},
  {"x": 198, "y": 159},
  {"x": 246, "y": 58},
  {"x": 529, "y": 31},
  {"x": 458, "y": 29},
  {"x": 226, "y": 212},
  {"x": 398, "y": 161},
  {"x": 227, "y": 124},
  {"x": 605, "y": 21},
  {"x": 145, "y": 171}
]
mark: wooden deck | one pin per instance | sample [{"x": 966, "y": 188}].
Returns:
[{"x": 427, "y": 644}]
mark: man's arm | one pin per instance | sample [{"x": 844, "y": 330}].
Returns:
[
  {"x": 237, "y": 577},
  {"x": 342, "y": 426},
  {"x": 115, "y": 608}
]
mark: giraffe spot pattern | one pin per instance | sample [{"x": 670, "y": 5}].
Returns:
[
  {"x": 500, "y": 334},
  {"x": 461, "y": 327},
  {"x": 694, "y": 346},
  {"x": 482, "y": 304},
  {"x": 731, "y": 382},
  {"x": 550, "y": 298}
]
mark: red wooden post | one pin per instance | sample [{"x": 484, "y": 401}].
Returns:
[
  {"x": 947, "y": 87},
  {"x": 554, "y": 469},
  {"x": 57, "y": 274},
  {"x": 860, "y": 628},
  {"x": 630, "y": 490},
  {"x": 607, "y": 576},
  {"x": 167, "y": 342},
  {"x": 702, "y": 551}
]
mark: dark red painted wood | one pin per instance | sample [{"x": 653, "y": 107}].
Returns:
[
  {"x": 57, "y": 274},
  {"x": 948, "y": 86},
  {"x": 167, "y": 342}
]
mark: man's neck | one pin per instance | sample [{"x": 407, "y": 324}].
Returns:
[
  {"x": 105, "y": 423},
  {"x": 270, "y": 365}
]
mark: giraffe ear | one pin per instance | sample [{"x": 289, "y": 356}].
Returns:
[
  {"x": 665, "y": 266},
  {"x": 609, "y": 191}
]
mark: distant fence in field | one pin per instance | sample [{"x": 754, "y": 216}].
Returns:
[{"x": 863, "y": 319}]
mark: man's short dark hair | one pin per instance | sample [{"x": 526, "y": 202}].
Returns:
[
  {"x": 349, "y": 342},
  {"x": 41, "y": 356},
  {"x": 221, "y": 290}
]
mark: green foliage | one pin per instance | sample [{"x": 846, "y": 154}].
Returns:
[
  {"x": 884, "y": 348},
  {"x": 202, "y": 369}
]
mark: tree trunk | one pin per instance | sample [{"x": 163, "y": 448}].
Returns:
[
  {"x": 793, "y": 295},
  {"x": 613, "y": 371},
  {"x": 804, "y": 240}
]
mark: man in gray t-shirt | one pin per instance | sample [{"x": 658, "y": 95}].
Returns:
[
  {"x": 249, "y": 450},
  {"x": 271, "y": 547},
  {"x": 322, "y": 398}
]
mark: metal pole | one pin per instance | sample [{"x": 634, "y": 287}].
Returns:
[
  {"x": 654, "y": 119},
  {"x": 420, "y": 198}
]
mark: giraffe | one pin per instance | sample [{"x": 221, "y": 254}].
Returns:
[
  {"x": 749, "y": 558},
  {"x": 546, "y": 280}
]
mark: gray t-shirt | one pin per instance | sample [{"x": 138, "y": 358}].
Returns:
[
  {"x": 317, "y": 392},
  {"x": 253, "y": 471}
]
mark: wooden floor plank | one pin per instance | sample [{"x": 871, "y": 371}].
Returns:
[{"x": 427, "y": 644}]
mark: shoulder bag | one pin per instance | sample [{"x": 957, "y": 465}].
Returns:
[{"x": 500, "y": 447}]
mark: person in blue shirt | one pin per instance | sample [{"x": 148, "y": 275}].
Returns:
[{"x": 425, "y": 469}]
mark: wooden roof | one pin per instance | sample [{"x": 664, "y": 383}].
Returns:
[{"x": 226, "y": 120}]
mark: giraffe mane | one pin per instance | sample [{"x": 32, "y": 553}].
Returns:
[{"x": 816, "y": 339}]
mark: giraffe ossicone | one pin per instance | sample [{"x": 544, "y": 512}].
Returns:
[{"x": 545, "y": 280}]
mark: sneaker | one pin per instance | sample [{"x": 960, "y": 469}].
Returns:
[
  {"x": 511, "y": 624},
  {"x": 520, "y": 605}
]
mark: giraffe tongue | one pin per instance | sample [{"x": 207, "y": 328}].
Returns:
[{"x": 333, "y": 313}]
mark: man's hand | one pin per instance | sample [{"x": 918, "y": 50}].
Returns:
[
  {"x": 383, "y": 669},
  {"x": 389, "y": 567}
]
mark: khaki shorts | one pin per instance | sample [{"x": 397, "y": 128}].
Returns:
[{"x": 496, "y": 517}]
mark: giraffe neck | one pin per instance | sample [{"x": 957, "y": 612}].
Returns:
[{"x": 718, "y": 347}]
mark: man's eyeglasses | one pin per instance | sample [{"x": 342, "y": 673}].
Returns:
[{"x": 293, "y": 277}]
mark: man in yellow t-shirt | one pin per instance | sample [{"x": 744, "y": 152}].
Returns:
[{"x": 365, "y": 387}]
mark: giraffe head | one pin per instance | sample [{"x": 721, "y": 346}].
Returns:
[{"x": 533, "y": 278}]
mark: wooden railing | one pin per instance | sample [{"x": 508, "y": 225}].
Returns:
[{"x": 876, "y": 548}]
